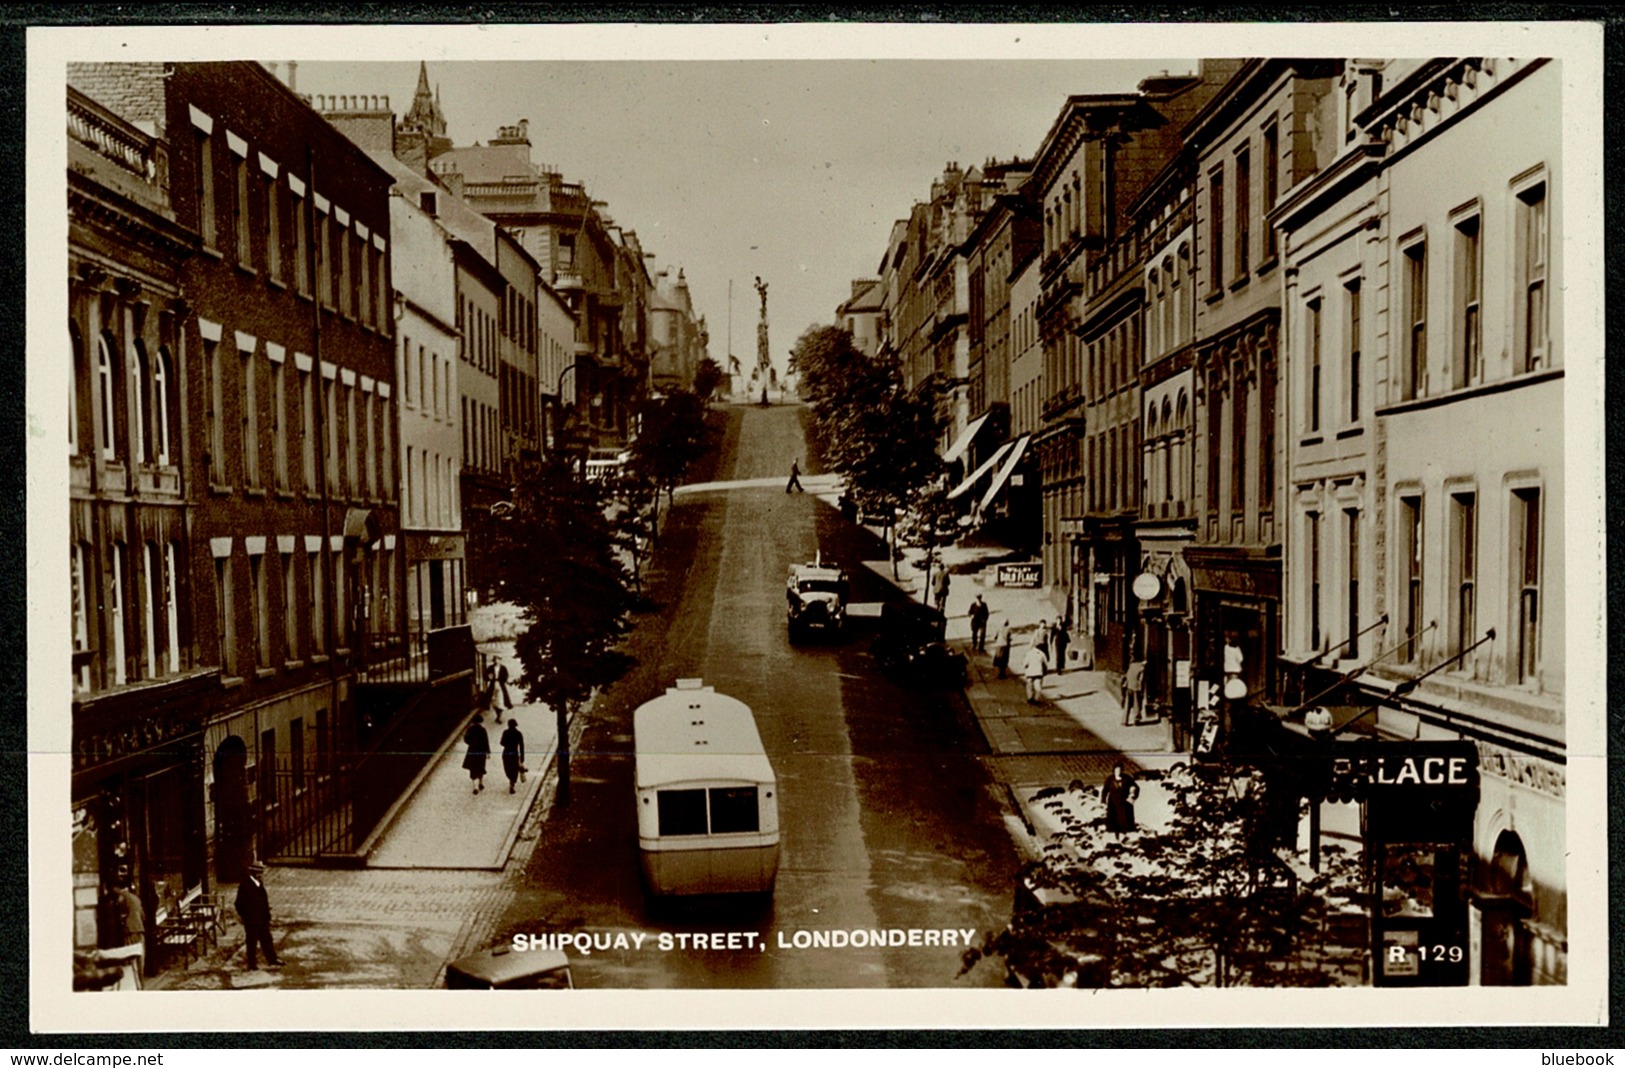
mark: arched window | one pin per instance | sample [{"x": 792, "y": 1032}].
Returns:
[
  {"x": 1154, "y": 288},
  {"x": 152, "y": 571},
  {"x": 1173, "y": 442},
  {"x": 81, "y": 611},
  {"x": 141, "y": 384},
  {"x": 163, "y": 406},
  {"x": 115, "y": 616},
  {"x": 106, "y": 431},
  {"x": 76, "y": 382}
]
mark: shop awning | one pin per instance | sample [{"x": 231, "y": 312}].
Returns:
[
  {"x": 962, "y": 442},
  {"x": 1016, "y": 452},
  {"x": 976, "y": 475}
]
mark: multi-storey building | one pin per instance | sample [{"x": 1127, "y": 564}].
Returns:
[
  {"x": 289, "y": 435},
  {"x": 860, "y": 314},
  {"x": 676, "y": 336},
  {"x": 142, "y": 689},
  {"x": 555, "y": 354},
  {"x": 561, "y": 227},
  {"x": 1250, "y": 142},
  {"x": 518, "y": 391},
  {"x": 1425, "y": 318}
]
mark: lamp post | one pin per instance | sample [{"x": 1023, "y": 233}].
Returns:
[{"x": 558, "y": 411}]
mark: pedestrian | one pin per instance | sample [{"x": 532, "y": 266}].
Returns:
[
  {"x": 502, "y": 680},
  {"x": 1034, "y": 668},
  {"x": 795, "y": 466},
  {"x": 1119, "y": 791},
  {"x": 1001, "y": 645},
  {"x": 1062, "y": 638},
  {"x": 126, "y": 919},
  {"x": 941, "y": 591},
  {"x": 1133, "y": 692},
  {"x": 513, "y": 753},
  {"x": 978, "y": 624},
  {"x": 479, "y": 749},
  {"x": 254, "y": 907}
]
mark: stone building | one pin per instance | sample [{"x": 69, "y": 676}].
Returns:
[{"x": 860, "y": 314}]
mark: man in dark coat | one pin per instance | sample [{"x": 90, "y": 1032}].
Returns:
[
  {"x": 513, "y": 753},
  {"x": 978, "y": 623},
  {"x": 479, "y": 750},
  {"x": 254, "y": 907},
  {"x": 1119, "y": 791}
]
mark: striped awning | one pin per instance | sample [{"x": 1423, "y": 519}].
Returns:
[
  {"x": 1016, "y": 452},
  {"x": 962, "y": 442},
  {"x": 976, "y": 475}
]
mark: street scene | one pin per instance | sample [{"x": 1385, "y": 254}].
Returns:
[{"x": 1099, "y": 574}]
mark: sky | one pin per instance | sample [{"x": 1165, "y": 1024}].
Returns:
[{"x": 793, "y": 170}]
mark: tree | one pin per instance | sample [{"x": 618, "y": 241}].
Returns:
[
  {"x": 1201, "y": 901},
  {"x": 555, "y": 551},
  {"x": 708, "y": 375},
  {"x": 879, "y": 436},
  {"x": 672, "y": 434}
]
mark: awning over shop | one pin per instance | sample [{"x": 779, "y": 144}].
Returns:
[
  {"x": 962, "y": 442},
  {"x": 1016, "y": 452},
  {"x": 976, "y": 475}
]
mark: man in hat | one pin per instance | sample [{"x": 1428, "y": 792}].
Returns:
[{"x": 254, "y": 907}]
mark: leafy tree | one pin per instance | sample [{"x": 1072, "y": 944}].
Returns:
[
  {"x": 708, "y": 375},
  {"x": 1201, "y": 901},
  {"x": 555, "y": 551},
  {"x": 672, "y": 434},
  {"x": 880, "y": 437}
]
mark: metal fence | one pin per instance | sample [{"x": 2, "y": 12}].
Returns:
[{"x": 307, "y": 812}]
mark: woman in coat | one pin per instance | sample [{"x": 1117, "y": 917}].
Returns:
[
  {"x": 513, "y": 753},
  {"x": 479, "y": 750},
  {"x": 1119, "y": 792}
]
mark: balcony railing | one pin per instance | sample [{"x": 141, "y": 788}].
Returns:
[{"x": 112, "y": 138}]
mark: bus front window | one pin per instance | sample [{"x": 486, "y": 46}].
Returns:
[
  {"x": 733, "y": 809},
  {"x": 681, "y": 812}
]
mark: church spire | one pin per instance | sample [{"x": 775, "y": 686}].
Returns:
[{"x": 423, "y": 82}]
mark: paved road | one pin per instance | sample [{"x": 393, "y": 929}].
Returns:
[{"x": 889, "y": 820}]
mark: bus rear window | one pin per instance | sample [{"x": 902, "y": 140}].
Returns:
[
  {"x": 681, "y": 812},
  {"x": 733, "y": 808}
]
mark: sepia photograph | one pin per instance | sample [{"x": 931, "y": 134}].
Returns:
[{"x": 835, "y": 525}]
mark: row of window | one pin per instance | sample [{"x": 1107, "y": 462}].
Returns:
[
  {"x": 482, "y": 446},
  {"x": 1463, "y": 363},
  {"x": 131, "y": 403},
  {"x": 134, "y": 595},
  {"x": 253, "y": 399},
  {"x": 428, "y": 380},
  {"x": 1419, "y": 612},
  {"x": 1231, "y": 211},
  {"x": 1113, "y": 459},
  {"x": 288, "y": 581},
  {"x": 1169, "y": 312},
  {"x": 250, "y": 210},
  {"x": 1232, "y": 410},
  {"x": 431, "y": 496},
  {"x": 479, "y": 330},
  {"x": 1169, "y": 460}
]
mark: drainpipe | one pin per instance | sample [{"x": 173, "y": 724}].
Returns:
[{"x": 329, "y": 623}]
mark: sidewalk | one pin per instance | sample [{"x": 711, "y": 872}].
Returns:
[
  {"x": 1073, "y": 736},
  {"x": 433, "y": 879}
]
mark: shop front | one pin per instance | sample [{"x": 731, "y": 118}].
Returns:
[
  {"x": 139, "y": 844},
  {"x": 1238, "y": 613}
]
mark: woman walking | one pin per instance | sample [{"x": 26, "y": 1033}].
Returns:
[
  {"x": 513, "y": 753},
  {"x": 479, "y": 750}
]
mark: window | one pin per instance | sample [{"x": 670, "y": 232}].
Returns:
[
  {"x": 1313, "y": 535},
  {"x": 1272, "y": 181},
  {"x": 262, "y": 610},
  {"x": 240, "y": 215},
  {"x": 1409, "y": 570},
  {"x": 1413, "y": 372},
  {"x": 81, "y": 611},
  {"x": 1526, "y": 576},
  {"x": 290, "y": 609},
  {"x": 116, "y": 601},
  {"x": 164, "y": 408},
  {"x": 76, "y": 381},
  {"x": 279, "y": 421},
  {"x": 357, "y": 270},
  {"x": 107, "y": 429},
  {"x": 204, "y": 189},
  {"x": 141, "y": 444},
  {"x": 344, "y": 281},
  {"x": 225, "y": 620},
  {"x": 152, "y": 571},
  {"x": 352, "y": 479},
  {"x": 386, "y": 464},
  {"x": 1244, "y": 212},
  {"x": 251, "y": 419},
  {"x": 1533, "y": 253},
  {"x": 318, "y": 602},
  {"x": 341, "y": 616},
  {"x": 324, "y": 259},
  {"x": 307, "y": 428},
  {"x": 1351, "y": 567},
  {"x": 369, "y": 461},
  {"x": 172, "y": 609},
  {"x": 1351, "y": 342},
  {"x": 1467, "y": 365},
  {"x": 1312, "y": 326},
  {"x": 718, "y": 810},
  {"x": 215, "y": 416},
  {"x": 267, "y": 769},
  {"x": 1463, "y": 570},
  {"x": 330, "y": 429},
  {"x": 1238, "y": 445},
  {"x": 1215, "y": 441},
  {"x": 1216, "y": 230},
  {"x": 301, "y": 246},
  {"x": 273, "y": 229},
  {"x": 1266, "y": 438}
]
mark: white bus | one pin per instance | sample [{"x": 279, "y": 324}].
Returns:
[{"x": 708, "y": 818}]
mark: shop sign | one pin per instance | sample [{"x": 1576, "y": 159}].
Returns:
[
  {"x": 1436, "y": 765},
  {"x": 1020, "y": 576}
]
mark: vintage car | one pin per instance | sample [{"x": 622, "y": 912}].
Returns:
[{"x": 815, "y": 598}]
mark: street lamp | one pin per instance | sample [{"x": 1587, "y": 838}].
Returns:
[{"x": 558, "y": 410}]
